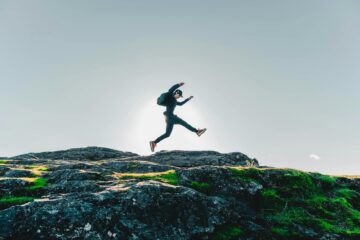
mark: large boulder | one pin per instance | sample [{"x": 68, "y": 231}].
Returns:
[
  {"x": 97, "y": 193},
  {"x": 88, "y": 153},
  {"x": 146, "y": 210},
  {"x": 182, "y": 158}
]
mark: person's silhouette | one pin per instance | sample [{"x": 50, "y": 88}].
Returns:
[{"x": 171, "y": 119}]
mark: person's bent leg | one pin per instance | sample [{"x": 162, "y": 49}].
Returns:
[
  {"x": 169, "y": 128},
  {"x": 185, "y": 124}
]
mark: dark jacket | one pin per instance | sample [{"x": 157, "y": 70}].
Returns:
[{"x": 171, "y": 101}]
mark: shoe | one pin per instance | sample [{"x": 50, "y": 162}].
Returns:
[
  {"x": 152, "y": 145},
  {"x": 200, "y": 131}
]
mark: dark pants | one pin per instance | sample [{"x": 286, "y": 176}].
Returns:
[{"x": 170, "y": 121}]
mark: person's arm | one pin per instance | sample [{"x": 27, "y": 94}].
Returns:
[
  {"x": 183, "y": 102},
  {"x": 176, "y": 86}
]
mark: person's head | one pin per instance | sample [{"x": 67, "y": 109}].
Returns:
[{"x": 178, "y": 94}]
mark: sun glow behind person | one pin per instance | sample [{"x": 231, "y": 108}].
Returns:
[{"x": 150, "y": 123}]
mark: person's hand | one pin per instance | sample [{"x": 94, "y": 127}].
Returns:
[
  {"x": 182, "y": 83},
  {"x": 191, "y": 97}
]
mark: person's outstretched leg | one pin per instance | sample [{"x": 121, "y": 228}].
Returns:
[
  {"x": 180, "y": 121},
  {"x": 169, "y": 128}
]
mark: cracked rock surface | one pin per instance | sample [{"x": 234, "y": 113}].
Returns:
[{"x": 101, "y": 193}]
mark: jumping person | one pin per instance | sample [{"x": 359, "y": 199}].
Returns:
[{"x": 171, "y": 119}]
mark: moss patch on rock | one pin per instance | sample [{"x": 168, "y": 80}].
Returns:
[
  {"x": 203, "y": 187},
  {"x": 9, "y": 201},
  {"x": 169, "y": 177},
  {"x": 246, "y": 174},
  {"x": 133, "y": 165},
  {"x": 227, "y": 233},
  {"x": 38, "y": 183},
  {"x": 291, "y": 198},
  {"x": 3, "y": 161}
]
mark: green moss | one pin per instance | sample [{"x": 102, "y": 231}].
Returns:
[
  {"x": 227, "y": 233},
  {"x": 3, "y": 161},
  {"x": 326, "y": 226},
  {"x": 37, "y": 167},
  {"x": 353, "y": 233},
  {"x": 283, "y": 232},
  {"x": 334, "y": 227},
  {"x": 169, "y": 177},
  {"x": 246, "y": 174},
  {"x": 269, "y": 200},
  {"x": 288, "y": 216},
  {"x": 9, "y": 201},
  {"x": 326, "y": 182},
  {"x": 346, "y": 193},
  {"x": 37, "y": 184},
  {"x": 33, "y": 175},
  {"x": 133, "y": 165},
  {"x": 322, "y": 213},
  {"x": 16, "y": 200},
  {"x": 290, "y": 198},
  {"x": 202, "y": 187},
  {"x": 299, "y": 216},
  {"x": 297, "y": 183},
  {"x": 43, "y": 169},
  {"x": 269, "y": 194},
  {"x": 341, "y": 203},
  {"x": 30, "y": 166},
  {"x": 318, "y": 205}
]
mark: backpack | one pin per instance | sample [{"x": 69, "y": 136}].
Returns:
[{"x": 161, "y": 100}]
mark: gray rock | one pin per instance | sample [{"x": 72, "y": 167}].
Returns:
[
  {"x": 136, "y": 166},
  {"x": 181, "y": 158},
  {"x": 3, "y": 170},
  {"x": 175, "y": 213},
  {"x": 9, "y": 186},
  {"x": 18, "y": 173},
  {"x": 74, "y": 186},
  {"x": 73, "y": 174},
  {"x": 88, "y": 153},
  {"x": 84, "y": 196}
]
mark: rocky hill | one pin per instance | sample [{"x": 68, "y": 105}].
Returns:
[{"x": 100, "y": 193}]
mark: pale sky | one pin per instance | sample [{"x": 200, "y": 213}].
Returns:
[{"x": 275, "y": 80}]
